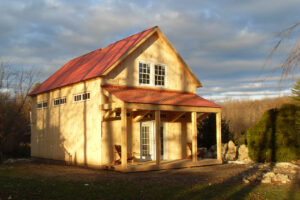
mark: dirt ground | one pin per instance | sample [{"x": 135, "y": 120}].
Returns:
[{"x": 226, "y": 173}]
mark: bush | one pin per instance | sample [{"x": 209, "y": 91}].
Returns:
[
  {"x": 276, "y": 136},
  {"x": 1, "y": 157},
  {"x": 241, "y": 115},
  {"x": 207, "y": 131}
]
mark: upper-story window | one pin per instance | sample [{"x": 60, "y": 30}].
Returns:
[
  {"x": 41, "y": 105},
  {"x": 60, "y": 101},
  {"x": 82, "y": 97},
  {"x": 144, "y": 73},
  {"x": 160, "y": 73},
  {"x": 152, "y": 74}
]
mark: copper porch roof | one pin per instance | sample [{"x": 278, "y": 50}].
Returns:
[
  {"x": 92, "y": 64},
  {"x": 158, "y": 96}
]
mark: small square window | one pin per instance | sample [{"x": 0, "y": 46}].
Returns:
[{"x": 45, "y": 104}]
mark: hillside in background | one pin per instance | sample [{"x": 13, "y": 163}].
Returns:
[{"x": 243, "y": 114}]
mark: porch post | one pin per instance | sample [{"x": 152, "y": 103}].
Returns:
[
  {"x": 157, "y": 136},
  {"x": 124, "y": 137},
  {"x": 194, "y": 136},
  {"x": 219, "y": 138}
]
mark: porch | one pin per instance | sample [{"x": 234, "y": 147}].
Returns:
[
  {"x": 165, "y": 164},
  {"x": 130, "y": 106}
]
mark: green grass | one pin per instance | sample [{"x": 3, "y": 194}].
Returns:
[{"x": 23, "y": 185}]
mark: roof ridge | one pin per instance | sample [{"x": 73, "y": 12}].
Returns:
[
  {"x": 133, "y": 35},
  {"x": 81, "y": 68}
]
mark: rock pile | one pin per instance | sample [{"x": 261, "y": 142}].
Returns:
[
  {"x": 270, "y": 173},
  {"x": 271, "y": 177},
  {"x": 230, "y": 152},
  {"x": 268, "y": 177}
]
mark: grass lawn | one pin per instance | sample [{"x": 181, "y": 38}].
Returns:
[{"x": 25, "y": 183}]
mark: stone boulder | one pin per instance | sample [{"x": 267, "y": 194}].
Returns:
[
  {"x": 231, "y": 151},
  {"x": 271, "y": 177},
  {"x": 243, "y": 153}
]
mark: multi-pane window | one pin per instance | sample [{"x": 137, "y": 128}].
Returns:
[
  {"x": 152, "y": 74},
  {"x": 159, "y": 75},
  {"x": 85, "y": 96},
  {"x": 39, "y": 105},
  {"x": 82, "y": 97},
  {"x": 60, "y": 101},
  {"x": 144, "y": 73},
  {"x": 145, "y": 140},
  {"x": 77, "y": 97},
  {"x": 43, "y": 104}
]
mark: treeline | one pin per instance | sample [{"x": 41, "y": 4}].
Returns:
[
  {"x": 15, "y": 84},
  {"x": 241, "y": 115}
]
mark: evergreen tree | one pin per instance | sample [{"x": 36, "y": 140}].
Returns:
[{"x": 296, "y": 91}]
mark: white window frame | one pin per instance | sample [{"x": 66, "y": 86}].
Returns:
[
  {"x": 59, "y": 103},
  {"x": 150, "y": 77},
  {"x": 166, "y": 75},
  {"x": 152, "y": 155},
  {"x": 42, "y": 102},
  {"x": 82, "y": 97},
  {"x": 152, "y": 74}
]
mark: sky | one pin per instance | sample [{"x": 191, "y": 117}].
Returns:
[{"x": 225, "y": 43}]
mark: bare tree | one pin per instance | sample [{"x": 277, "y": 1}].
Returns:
[
  {"x": 289, "y": 64},
  {"x": 15, "y": 85}
]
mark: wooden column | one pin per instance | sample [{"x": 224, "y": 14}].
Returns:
[
  {"x": 124, "y": 137},
  {"x": 219, "y": 138},
  {"x": 157, "y": 136},
  {"x": 194, "y": 136}
]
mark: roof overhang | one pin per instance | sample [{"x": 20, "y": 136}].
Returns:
[{"x": 160, "y": 99}]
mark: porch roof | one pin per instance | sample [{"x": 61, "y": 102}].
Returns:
[{"x": 158, "y": 96}]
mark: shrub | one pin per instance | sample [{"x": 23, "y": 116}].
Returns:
[
  {"x": 241, "y": 115},
  {"x": 207, "y": 131},
  {"x": 276, "y": 136},
  {"x": 1, "y": 157}
]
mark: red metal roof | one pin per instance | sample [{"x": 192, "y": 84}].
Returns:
[
  {"x": 158, "y": 96},
  {"x": 90, "y": 65}
]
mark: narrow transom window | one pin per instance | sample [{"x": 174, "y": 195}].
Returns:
[
  {"x": 144, "y": 73},
  {"x": 82, "y": 97},
  {"x": 60, "y": 101},
  {"x": 39, "y": 105},
  {"x": 160, "y": 73},
  {"x": 43, "y": 104},
  {"x": 85, "y": 96},
  {"x": 77, "y": 97}
]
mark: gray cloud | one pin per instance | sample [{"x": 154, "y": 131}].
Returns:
[{"x": 222, "y": 41}]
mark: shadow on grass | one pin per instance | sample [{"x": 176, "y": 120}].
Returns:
[
  {"x": 295, "y": 186},
  {"x": 228, "y": 189}
]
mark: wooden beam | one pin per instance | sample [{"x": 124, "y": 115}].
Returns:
[
  {"x": 177, "y": 116},
  {"x": 124, "y": 137},
  {"x": 157, "y": 136},
  {"x": 194, "y": 136},
  {"x": 219, "y": 137},
  {"x": 172, "y": 108},
  {"x": 201, "y": 117},
  {"x": 108, "y": 114},
  {"x": 110, "y": 106},
  {"x": 111, "y": 96},
  {"x": 141, "y": 115}
]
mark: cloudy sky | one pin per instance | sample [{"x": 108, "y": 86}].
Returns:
[{"x": 224, "y": 42}]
